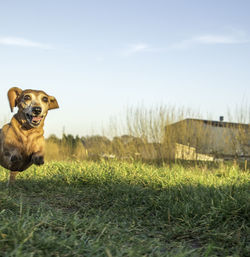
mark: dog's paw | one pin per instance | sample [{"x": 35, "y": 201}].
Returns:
[
  {"x": 38, "y": 159},
  {"x": 15, "y": 159}
]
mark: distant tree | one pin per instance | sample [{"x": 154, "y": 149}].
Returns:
[
  {"x": 96, "y": 146},
  {"x": 54, "y": 139}
]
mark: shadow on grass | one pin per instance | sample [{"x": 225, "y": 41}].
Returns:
[
  {"x": 196, "y": 214},
  {"x": 169, "y": 203}
]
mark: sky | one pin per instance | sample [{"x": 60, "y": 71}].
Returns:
[{"x": 100, "y": 57}]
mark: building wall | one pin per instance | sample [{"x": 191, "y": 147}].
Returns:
[
  {"x": 227, "y": 141},
  {"x": 198, "y": 137},
  {"x": 185, "y": 152}
]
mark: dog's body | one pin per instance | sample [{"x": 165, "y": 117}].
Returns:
[{"x": 22, "y": 141}]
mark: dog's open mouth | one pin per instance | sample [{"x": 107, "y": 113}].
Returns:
[{"x": 34, "y": 120}]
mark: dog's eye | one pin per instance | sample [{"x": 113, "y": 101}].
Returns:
[
  {"x": 27, "y": 98},
  {"x": 45, "y": 99}
]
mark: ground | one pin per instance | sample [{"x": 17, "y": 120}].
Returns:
[{"x": 125, "y": 209}]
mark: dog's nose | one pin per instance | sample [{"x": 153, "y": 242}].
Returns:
[{"x": 36, "y": 110}]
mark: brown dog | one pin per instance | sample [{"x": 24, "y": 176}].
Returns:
[{"x": 22, "y": 141}]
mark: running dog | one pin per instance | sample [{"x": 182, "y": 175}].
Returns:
[{"x": 21, "y": 140}]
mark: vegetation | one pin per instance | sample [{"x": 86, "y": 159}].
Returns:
[
  {"x": 160, "y": 134},
  {"x": 127, "y": 193},
  {"x": 113, "y": 208}
]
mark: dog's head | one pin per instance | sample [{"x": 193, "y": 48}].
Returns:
[{"x": 34, "y": 104}]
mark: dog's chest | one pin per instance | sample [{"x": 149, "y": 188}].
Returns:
[{"x": 16, "y": 150}]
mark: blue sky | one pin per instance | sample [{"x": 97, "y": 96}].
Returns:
[{"x": 98, "y": 57}]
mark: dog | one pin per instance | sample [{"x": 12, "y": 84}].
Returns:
[{"x": 22, "y": 141}]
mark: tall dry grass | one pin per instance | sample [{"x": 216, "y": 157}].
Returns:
[
  {"x": 67, "y": 148},
  {"x": 158, "y": 133}
]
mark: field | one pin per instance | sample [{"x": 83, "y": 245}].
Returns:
[{"x": 125, "y": 209}]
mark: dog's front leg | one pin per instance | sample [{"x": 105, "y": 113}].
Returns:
[
  {"x": 12, "y": 177},
  {"x": 37, "y": 158}
]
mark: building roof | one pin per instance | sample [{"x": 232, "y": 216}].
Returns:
[{"x": 214, "y": 123}]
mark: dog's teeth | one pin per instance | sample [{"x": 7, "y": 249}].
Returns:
[{"x": 36, "y": 118}]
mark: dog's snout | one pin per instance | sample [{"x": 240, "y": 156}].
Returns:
[{"x": 36, "y": 110}]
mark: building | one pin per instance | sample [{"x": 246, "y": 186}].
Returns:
[{"x": 208, "y": 139}]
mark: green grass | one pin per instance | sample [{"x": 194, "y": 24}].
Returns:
[{"x": 122, "y": 209}]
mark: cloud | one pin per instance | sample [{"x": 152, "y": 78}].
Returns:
[
  {"x": 210, "y": 39},
  {"x": 136, "y": 48},
  {"x": 22, "y": 42},
  {"x": 236, "y": 37},
  {"x": 141, "y": 48}
]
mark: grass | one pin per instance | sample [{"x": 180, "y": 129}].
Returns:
[{"x": 125, "y": 209}]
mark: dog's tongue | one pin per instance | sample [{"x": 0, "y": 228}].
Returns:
[{"x": 36, "y": 118}]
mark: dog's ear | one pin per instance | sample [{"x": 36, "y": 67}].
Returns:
[
  {"x": 13, "y": 95},
  {"x": 53, "y": 103}
]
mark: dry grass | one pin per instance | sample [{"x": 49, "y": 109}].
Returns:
[{"x": 149, "y": 134}]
